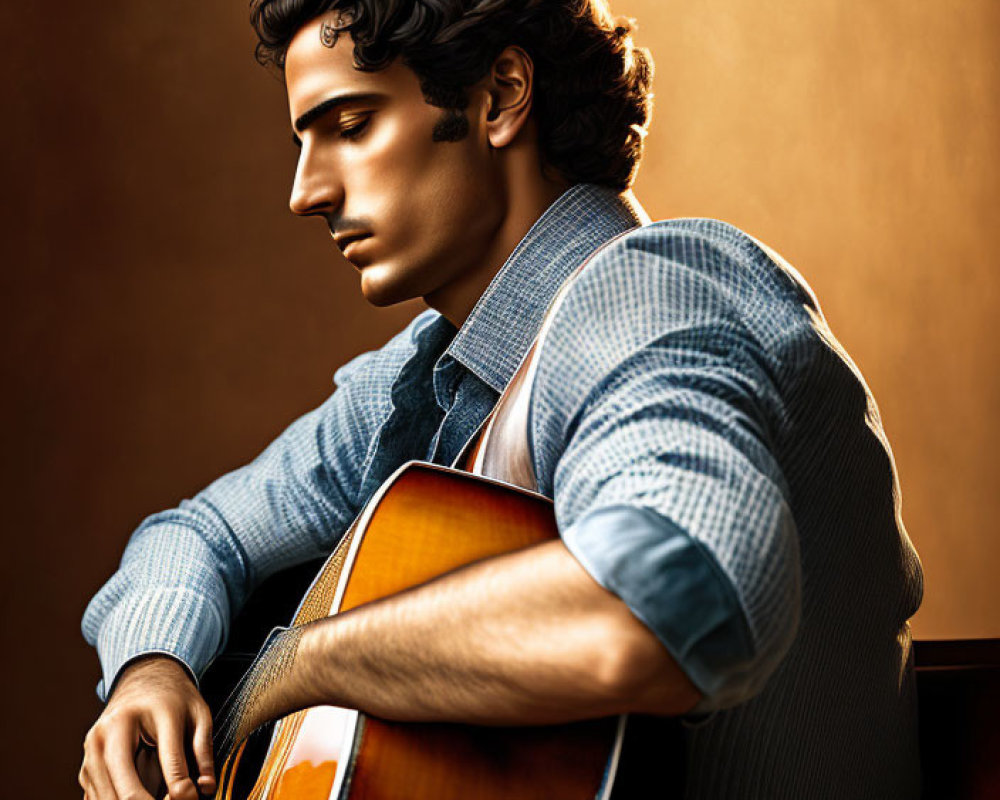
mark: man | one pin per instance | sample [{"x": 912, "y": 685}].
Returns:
[{"x": 731, "y": 549}]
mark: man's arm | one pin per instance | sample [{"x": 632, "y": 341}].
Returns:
[
  {"x": 523, "y": 638},
  {"x": 164, "y": 615},
  {"x": 659, "y": 421},
  {"x": 187, "y": 571}
]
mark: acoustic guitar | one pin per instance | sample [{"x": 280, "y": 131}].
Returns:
[
  {"x": 424, "y": 521},
  {"x": 405, "y": 536}
]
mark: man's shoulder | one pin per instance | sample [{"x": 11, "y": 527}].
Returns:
[
  {"x": 706, "y": 250},
  {"x": 689, "y": 271},
  {"x": 689, "y": 286}
]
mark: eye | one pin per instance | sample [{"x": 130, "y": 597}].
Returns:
[{"x": 354, "y": 128}]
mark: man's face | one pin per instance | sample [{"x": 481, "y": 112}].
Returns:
[{"x": 427, "y": 212}]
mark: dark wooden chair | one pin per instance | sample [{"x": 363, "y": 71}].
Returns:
[{"x": 958, "y": 685}]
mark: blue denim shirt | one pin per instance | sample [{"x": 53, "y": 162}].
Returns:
[{"x": 715, "y": 458}]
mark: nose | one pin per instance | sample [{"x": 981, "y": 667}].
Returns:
[{"x": 317, "y": 188}]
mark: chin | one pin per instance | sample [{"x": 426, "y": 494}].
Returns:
[{"x": 381, "y": 286}]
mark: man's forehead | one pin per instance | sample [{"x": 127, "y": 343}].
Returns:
[
  {"x": 316, "y": 47},
  {"x": 319, "y": 64}
]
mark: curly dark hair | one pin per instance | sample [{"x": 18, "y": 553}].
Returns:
[{"x": 592, "y": 99}]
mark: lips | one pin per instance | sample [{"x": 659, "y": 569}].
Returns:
[{"x": 346, "y": 239}]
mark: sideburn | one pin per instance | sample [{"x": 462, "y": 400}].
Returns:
[{"x": 453, "y": 126}]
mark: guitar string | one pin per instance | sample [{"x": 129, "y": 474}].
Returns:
[{"x": 242, "y": 712}]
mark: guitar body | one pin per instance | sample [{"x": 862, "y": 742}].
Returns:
[{"x": 424, "y": 521}]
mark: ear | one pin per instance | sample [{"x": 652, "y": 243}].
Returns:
[{"x": 509, "y": 88}]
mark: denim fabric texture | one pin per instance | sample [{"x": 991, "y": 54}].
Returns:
[{"x": 715, "y": 457}]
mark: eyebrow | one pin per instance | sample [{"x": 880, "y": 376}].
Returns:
[{"x": 327, "y": 106}]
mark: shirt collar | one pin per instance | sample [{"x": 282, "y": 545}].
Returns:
[{"x": 502, "y": 325}]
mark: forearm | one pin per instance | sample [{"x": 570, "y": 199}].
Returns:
[
  {"x": 167, "y": 597},
  {"x": 524, "y": 638},
  {"x": 187, "y": 570}
]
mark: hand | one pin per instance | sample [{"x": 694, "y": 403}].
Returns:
[{"x": 154, "y": 699}]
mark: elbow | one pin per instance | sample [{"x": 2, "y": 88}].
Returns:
[
  {"x": 728, "y": 683},
  {"x": 640, "y": 676},
  {"x": 643, "y": 677}
]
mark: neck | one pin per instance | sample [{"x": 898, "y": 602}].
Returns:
[{"x": 527, "y": 199}]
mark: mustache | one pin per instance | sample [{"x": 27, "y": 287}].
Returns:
[{"x": 338, "y": 225}]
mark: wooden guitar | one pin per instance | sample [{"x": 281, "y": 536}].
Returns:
[
  {"x": 427, "y": 520},
  {"x": 407, "y": 535}
]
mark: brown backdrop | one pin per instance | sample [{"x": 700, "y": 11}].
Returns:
[{"x": 166, "y": 317}]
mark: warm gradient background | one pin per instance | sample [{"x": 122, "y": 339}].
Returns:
[{"x": 166, "y": 317}]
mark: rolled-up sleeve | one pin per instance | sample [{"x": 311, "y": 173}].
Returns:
[{"x": 663, "y": 396}]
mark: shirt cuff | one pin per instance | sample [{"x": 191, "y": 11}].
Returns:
[
  {"x": 174, "y": 621},
  {"x": 675, "y": 586}
]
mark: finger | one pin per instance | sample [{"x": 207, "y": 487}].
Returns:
[
  {"x": 147, "y": 765},
  {"x": 86, "y": 785},
  {"x": 173, "y": 762},
  {"x": 96, "y": 774},
  {"x": 202, "y": 746},
  {"x": 119, "y": 755}
]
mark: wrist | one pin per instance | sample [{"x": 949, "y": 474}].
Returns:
[
  {"x": 280, "y": 682},
  {"x": 307, "y": 677},
  {"x": 155, "y": 665}
]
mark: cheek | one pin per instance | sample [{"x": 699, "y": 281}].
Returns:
[
  {"x": 453, "y": 194},
  {"x": 395, "y": 159},
  {"x": 429, "y": 201}
]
